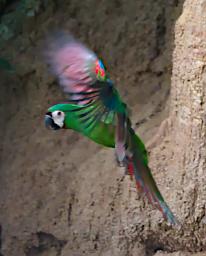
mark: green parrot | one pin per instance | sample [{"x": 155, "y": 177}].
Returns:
[{"x": 95, "y": 109}]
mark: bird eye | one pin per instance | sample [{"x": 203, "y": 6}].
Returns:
[{"x": 59, "y": 113}]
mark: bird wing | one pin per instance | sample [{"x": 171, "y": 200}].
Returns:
[{"x": 85, "y": 81}]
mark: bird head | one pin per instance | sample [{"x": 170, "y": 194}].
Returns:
[{"x": 55, "y": 117}]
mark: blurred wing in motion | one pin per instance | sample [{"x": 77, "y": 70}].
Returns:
[
  {"x": 77, "y": 68},
  {"x": 85, "y": 81}
]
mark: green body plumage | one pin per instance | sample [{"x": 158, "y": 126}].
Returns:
[{"x": 103, "y": 133}]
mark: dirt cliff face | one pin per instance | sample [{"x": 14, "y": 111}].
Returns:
[{"x": 62, "y": 194}]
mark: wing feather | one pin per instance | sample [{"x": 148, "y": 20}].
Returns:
[{"x": 84, "y": 79}]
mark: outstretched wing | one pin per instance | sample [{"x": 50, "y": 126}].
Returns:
[
  {"x": 76, "y": 67},
  {"x": 81, "y": 74},
  {"x": 84, "y": 79}
]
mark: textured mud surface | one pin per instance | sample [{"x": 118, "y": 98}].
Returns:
[{"x": 62, "y": 195}]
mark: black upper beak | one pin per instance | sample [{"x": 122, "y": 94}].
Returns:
[{"x": 49, "y": 122}]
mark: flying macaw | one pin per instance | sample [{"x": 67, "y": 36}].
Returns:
[{"x": 95, "y": 109}]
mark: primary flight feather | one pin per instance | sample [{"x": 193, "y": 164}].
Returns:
[{"x": 95, "y": 109}]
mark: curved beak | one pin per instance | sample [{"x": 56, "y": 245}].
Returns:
[{"x": 49, "y": 122}]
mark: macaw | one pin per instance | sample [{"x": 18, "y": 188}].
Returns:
[{"x": 95, "y": 109}]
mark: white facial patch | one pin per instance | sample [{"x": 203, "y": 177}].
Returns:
[{"x": 58, "y": 118}]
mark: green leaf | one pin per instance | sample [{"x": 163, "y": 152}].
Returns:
[{"x": 4, "y": 64}]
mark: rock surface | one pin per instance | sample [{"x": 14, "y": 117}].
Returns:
[{"x": 62, "y": 195}]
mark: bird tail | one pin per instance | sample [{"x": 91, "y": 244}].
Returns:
[{"x": 137, "y": 166}]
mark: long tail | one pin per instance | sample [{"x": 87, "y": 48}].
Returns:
[{"x": 137, "y": 166}]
